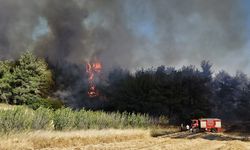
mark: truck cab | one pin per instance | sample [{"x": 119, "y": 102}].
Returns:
[{"x": 195, "y": 123}]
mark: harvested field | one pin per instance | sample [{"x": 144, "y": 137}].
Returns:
[{"x": 121, "y": 139}]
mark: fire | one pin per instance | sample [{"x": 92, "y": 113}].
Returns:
[{"x": 93, "y": 69}]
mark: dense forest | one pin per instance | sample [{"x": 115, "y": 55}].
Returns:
[{"x": 180, "y": 94}]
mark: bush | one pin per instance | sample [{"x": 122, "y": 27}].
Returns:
[
  {"x": 163, "y": 120},
  {"x": 55, "y": 103},
  {"x": 101, "y": 120},
  {"x": 16, "y": 119},
  {"x": 42, "y": 119},
  {"x": 46, "y": 103},
  {"x": 21, "y": 118},
  {"x": 82, "y": 120},
  {"x": 64, "y": 119}
]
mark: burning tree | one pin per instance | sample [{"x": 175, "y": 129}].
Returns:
[{"x": 93, "y": 70}]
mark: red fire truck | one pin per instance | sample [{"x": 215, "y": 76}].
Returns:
[{"x": 206, "y": 124}]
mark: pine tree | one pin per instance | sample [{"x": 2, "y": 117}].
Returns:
[
  {"x": 5, "y": 81},
  {"x": 31, "y": 79},
  {"x": 24, "y": 81}
]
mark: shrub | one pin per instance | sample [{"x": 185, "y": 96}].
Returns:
[
  {"x": 163, "y": 120},
  {"x": 42, "y": 119},
  {"x": 55, "y": 103},
  {"x": 64, "y": 119},
  {"x": 46, "y": 103},
  {"x": 22, "y": 118},
  {"x": 16, "y": 119},
  {"x": 82, "y": 120}
]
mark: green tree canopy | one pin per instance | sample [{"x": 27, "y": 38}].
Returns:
[{"x": 24, "y": 81}]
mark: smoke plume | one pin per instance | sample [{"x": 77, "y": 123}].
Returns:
[{"x": 128, "y": 33}]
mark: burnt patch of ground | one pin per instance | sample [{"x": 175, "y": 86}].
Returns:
[
  {"x": 226, "y": 137},
  {"x": 205, "y": 135},
  {"x": 237, "y": 127},
  {"x": 158, "y": 132}
]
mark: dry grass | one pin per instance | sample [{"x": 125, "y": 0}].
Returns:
[
  {"x": 6, "y": 106},
  {"x": 113, "y": 139},
  {"x": 59, "y": 140}
]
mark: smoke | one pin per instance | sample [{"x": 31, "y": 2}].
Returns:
[
  {"x": 65, "y": 41},
  {"x": 130, "y": 34},
  {"x": 194, "y": 30},
  {"x": 17, "y": 19}
]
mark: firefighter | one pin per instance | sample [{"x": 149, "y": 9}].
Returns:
[{"x": 182, "y": 127}]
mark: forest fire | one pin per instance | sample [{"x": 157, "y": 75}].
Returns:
[{"x": 93, "y": 69}]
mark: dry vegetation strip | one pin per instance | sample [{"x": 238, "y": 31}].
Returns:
[
  {"x": 112, "y": 139},
  {"x": 6, "y": 106},
  {"x": 47, "y": 139}
]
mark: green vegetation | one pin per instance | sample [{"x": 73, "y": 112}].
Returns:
[
  {"x": 22, "y": 119},
  {"x": 26, "y": 81}
]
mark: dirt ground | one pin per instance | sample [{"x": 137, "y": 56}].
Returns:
[{"x": 122, "y": 139}]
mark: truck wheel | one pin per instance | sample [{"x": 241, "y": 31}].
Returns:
[
  {"x": 195, "y": 130},
  {"x": 213, "y": 130}
]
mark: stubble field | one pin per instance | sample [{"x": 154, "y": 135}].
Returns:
[{"x": 121, "y": 139}]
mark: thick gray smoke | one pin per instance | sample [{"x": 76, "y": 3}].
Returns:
[
  {"x": 17, "y": 21},
  {"x": 131, "y": 34},
  {"x": 65, "y": 41},
  {"x": 193, "y": 30},
  {"x": 126, "y": 33}
]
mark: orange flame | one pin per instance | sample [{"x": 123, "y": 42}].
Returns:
[{"x": 93, "y": 69}]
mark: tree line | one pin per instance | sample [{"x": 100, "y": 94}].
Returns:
[{"x": 181, "y": 94}]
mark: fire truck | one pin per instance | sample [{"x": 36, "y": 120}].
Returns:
[{"x": 206, "y": 124}]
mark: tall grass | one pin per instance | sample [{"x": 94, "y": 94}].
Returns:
[
  {"x": 42, "y": 118},
  {"x": 14, "y": 120},
  {"x": 23, "y": 119}
]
